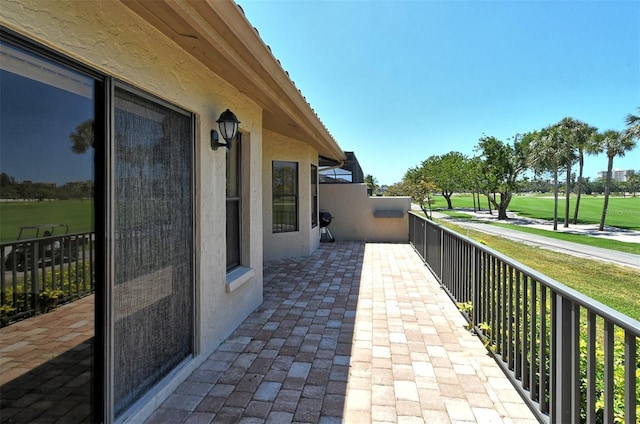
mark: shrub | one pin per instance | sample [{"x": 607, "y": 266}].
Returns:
[{"x": 69, "y": 284}]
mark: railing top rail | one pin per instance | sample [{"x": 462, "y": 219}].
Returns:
[
  {"x": 616, "y": 317},
  {"x": 44, "y": 238}
]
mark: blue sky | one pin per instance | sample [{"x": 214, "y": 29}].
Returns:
[
  {"x": 35, "y": 125},
  {"x": 399, "y": 81}
]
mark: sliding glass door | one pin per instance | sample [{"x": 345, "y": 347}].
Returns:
[
  {"x": 96, "y": 238},
  {"x": 153, "y": 243},
  {"x": 48, "y": 371}
]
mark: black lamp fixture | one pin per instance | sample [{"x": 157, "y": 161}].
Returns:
[{"x": 228, "y": 124}]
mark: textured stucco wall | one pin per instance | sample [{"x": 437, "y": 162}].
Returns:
[
  {"x": 353, "y": 214},
  {"x": 108, "y": 37},
  {"x": 277, "y": 147}
]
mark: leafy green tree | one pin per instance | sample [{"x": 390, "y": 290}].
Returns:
[
  {"x": 446, "y": 172},
  {"x": 501, "y": 165},
  {"x": 396, "y": 189},
  {"x": 633, "y": 182},
  {"x": 8, "y": 186},
  {"x": 598, "y": 186},
  {"x": 535, "y": 184},
  {"x": 613, "y": 143},
  {"x": 416, "y": 184}
]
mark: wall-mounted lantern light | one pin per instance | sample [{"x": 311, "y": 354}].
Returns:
[{"x": 228, "y": 124}]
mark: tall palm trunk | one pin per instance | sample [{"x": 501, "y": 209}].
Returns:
[
  {"x": 555, "y": 198},
  {"x": 607, "y": 189},
  {"x": 567, "y": 197},
  {"x": 581, "y": 168}
]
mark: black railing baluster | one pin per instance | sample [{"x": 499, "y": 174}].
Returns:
[
  {"x": 502, "y": 313},
  {"x": 575, "y": 362},
  {"x": 493, "y": 301},
  {"x": 73, "y": 246},
  {"x": 475, "y": 282},
  {"x": 608, "y": 371},
  {"x": 591, "y": 368},
  {"x": 3, "y": 280},
  {"x": 35, "y": 280},
  {"x": 525, "y": 333},
  {"x": 535, "y": 344},
  {"x": 510, "y": 318},
  {"x": 560, "y": 359},
  {"x": 630, "y": 384},
  {"x": 485, "y": 288},
  {"x": 544, "y": 344},
  {"x": 516, "y": 364}
]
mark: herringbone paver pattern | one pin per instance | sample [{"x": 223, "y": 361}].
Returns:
[{"x": 356, "y": 333}]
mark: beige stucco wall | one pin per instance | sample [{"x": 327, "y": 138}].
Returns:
[
  {"x": 353, "y": 214},
  {"x": 110, "y": 38},
  {"x": 277, "y": 147}
]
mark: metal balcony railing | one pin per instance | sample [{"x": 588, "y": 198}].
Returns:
[
  {"x": 37, "y": 274},
  {"x": 570, "y": 357}
]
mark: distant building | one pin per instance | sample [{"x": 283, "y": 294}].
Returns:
[{"x": 618, "y": 174}]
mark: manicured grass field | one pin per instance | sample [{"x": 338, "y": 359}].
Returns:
[
  {"x": 77, "y": 214},
  {"x": 623, "y": 212}
]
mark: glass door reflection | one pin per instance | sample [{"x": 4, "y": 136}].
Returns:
[{"x": 47, "y": 240}]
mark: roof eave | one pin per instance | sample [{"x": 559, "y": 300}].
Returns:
[{"x": 218, "y": 34}]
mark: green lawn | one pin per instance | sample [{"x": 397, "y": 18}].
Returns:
[
  {"x": 623, "y": 212},
  {"x": 77, "y": 214}
]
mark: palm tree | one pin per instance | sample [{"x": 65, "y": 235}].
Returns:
[
  {"x": 568, "y": 146},
  {"x": 82, "y": 138},
  {"x": 633, "y": 125},
  {"x": 548, "y": 153},
  {"x": 613, "y": 143},
  {"x": 372, "y": 184},
  {"x": 581, "y": 138}
]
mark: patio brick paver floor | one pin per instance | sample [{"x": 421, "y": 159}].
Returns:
[
  {"x": 45, "y": 366},
  {"x": 355, "y": 333}
]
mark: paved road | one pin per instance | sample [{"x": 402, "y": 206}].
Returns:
[{"x": 567, "y": 247}]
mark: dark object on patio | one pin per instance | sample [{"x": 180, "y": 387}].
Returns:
[{"x": 325, "y": 220}]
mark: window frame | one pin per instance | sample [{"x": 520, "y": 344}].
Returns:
[
  {"x": 285, "y": 227},
  {"x": 314, "y": 196},
  {"x": 236, "y": 199}
]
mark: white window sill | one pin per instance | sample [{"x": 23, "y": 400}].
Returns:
[{"x": 238, "y": 277}]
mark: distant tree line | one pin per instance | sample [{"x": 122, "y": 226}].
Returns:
[
  {"x": 590, "y": 186},
  {"x": 537, "y": 161},
  {"x": 29, "y": 190}
]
